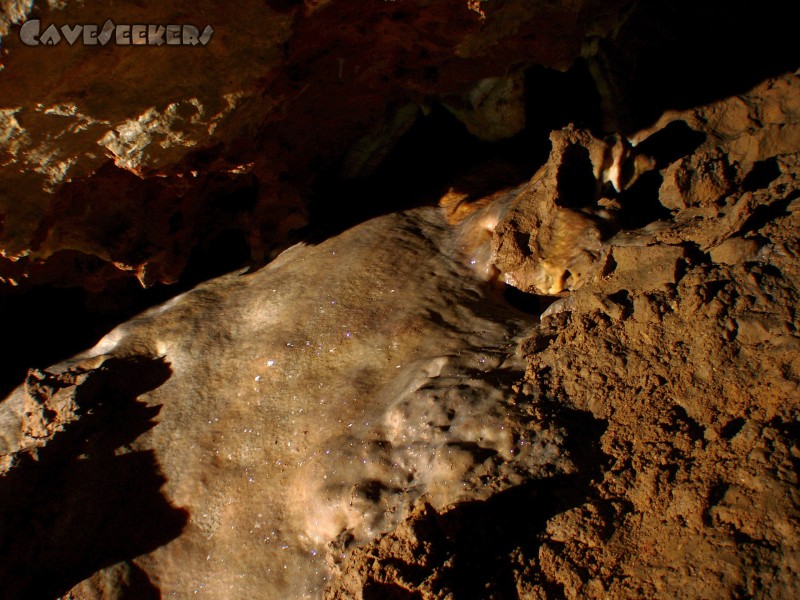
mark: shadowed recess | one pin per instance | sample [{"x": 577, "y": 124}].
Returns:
[
  {"x": 675, "y": 55},
  {"x": 470, "y": 546},
  {"x": 88, "y": 502}
]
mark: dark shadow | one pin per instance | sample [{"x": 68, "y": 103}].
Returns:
[
  {"x": 435, "y": 154},
  {"x": 761, "y": 175},
  {"x": 640, "y": 204},
  {"x": 473, "y": 542},
  {"x": 438, "y": 153},
  {"x": 554, "y": 99},
  {"x": 527, "y": 303},
  {"x": 385, "y": 591},
  {"x": 715, "y": 496},
  {"x": 413, "y": 174},
  {"x": 679, "y": 420},
  {"x": 48, "y": 323},
  {"x": 623, "y": 299},
  {"x": 731, "y": 428},
  {"x": 137, "y": 585},
  {"x": 87, "y": 501},
  {"x": 577, "y": 187},
  {"x": 283, "y": 5},
  {"x": 482, "y": 535},
  {"x": 667, "y": 145},
  {"x": 680, "y": 54}
]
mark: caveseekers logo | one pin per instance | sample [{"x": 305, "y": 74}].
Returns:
[{"x": 31, "y": 34}]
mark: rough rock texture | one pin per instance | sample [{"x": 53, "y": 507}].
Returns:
[
  {"x": 545, "y": 241},
  {"x": 660, "y": 385},
  {"x": 681, "y": 356},
  {"x": 694, "y": 376},
  {"x": 123, "y": 159}
]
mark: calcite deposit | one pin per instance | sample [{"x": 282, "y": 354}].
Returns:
[
  {"x": 400, "y": 299},
  {"x": 296, "y": 412}
]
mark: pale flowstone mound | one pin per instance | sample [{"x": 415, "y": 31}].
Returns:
[{"x": 287, "y": 416}]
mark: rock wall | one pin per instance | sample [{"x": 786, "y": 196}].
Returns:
[{"x": 122, "y": 159}]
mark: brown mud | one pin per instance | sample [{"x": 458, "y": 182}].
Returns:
[{"x": 674, "y": 364}]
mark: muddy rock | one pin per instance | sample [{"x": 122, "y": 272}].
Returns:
[
  {"x": 680, "y": 355},
  {"x": 696, "y": 387},
  {"x": 702, "y": 180},
  {"x": 550, "y": 238}
]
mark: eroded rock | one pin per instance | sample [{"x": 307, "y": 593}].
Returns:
[
  {"x": 554, "y": 234},
  {"x": 299, "y": 412}
]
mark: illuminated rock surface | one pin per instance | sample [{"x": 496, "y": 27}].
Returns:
[
  {"x": 307, "y": 405},
  {"x": 652, "y": 412}
]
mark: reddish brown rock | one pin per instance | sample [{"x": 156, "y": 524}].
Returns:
[
  {"x": 281, "y": 92},
  {"x": 679, "y": 360}
]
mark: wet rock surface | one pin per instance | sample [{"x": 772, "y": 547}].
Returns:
[
  {"x": 629, "y": 430},
  {"x": 290, "y": 414}
]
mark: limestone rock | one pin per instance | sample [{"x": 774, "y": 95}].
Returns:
[
  {"x": 262, "y": 425},
  {"x": 197, "y": 126}
]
